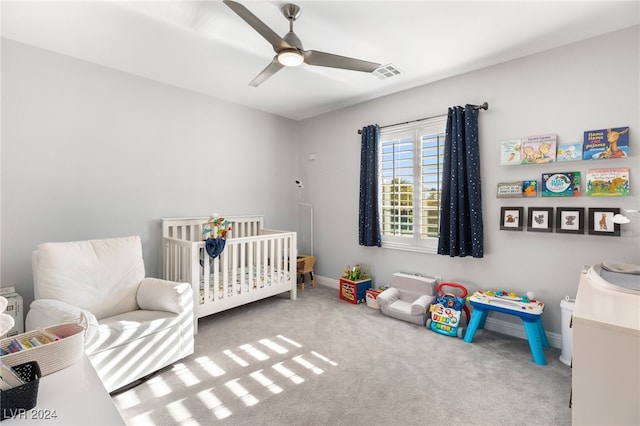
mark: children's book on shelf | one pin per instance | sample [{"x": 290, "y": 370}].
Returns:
[
  {"x": 509, "y": 190},
  {"x": 530, "y": 188},
  {"x": 539, "y": 149},
  {"x": 569, "y": 152},
  {"x": 564, "y": 184},
  {"x": 606, "y": 143},
  {"x": 608, "y": 182},
  {"x": 510, "y": 152}
]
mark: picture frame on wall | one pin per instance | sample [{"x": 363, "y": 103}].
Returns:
[
  {"x": 601, "y": 221},
  {"x": 570, "y": 220},
  {"x": 511, "y": 218},
  {"x": 540, "y": 219}
]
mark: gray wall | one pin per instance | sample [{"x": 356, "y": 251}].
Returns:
[
  {"x": 585, "y": 86},
  {"x": 89, "y": 152}
]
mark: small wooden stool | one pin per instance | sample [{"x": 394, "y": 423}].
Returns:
[{"x": 305, "y": 265}]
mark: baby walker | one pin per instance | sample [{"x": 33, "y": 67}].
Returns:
[{"x": 446, "y": 311}]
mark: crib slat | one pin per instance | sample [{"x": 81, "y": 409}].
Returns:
[
  {"x": 233, "y": 263},
  {"x": 265, "y": 262},
  {"x": 215, "y": 286},
  {"x": 243, "y": 279},
  {"x": 206, "y": 274},
  {"x": 259, "y": 251},
  {"x": 253, "y": 282}
]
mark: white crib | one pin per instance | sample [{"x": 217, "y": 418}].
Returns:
[{"x": 254, "y": 264}]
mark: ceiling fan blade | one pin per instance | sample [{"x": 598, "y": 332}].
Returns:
[
  {"x": 270, "y": 70},
  {"x": 313, "y": 57},
  {"x": 274, "y": 39}
]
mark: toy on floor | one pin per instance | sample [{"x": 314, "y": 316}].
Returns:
[
  {"x": 446, "y": 311},
  {"x": 526, "y": 307}
]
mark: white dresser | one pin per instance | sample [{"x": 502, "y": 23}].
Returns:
[
  {"x": 606, "y": 356},
  {"x": 72, "y": 396}
]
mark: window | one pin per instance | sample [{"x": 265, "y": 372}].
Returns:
[{"x": 411, "y": 183}]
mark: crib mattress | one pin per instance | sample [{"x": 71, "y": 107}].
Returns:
[{"x": 242, "y": 283}]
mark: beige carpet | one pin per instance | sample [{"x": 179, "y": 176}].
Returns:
[{"x": 322, "y": 361}]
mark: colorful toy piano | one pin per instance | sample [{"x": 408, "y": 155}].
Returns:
[{"x": 526, "y": 307}]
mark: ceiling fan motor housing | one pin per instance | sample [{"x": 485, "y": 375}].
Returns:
[{"x": 291, "y": 11}]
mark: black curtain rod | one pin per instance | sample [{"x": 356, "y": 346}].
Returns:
[{"x": 484, "y": 106}]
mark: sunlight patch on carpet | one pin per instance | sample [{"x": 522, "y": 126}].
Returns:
[
  {"x": 241, "y": 362},
  {"x": 185, "y": 375},
  {"x": 291, "y": 342},
  {"x": 306, "y": 364},
  {"x": 159, "y": 387},
  {"x": 178, "y": 412},
  {"x": 141, "y": 419},
  {"x": 266, "y": 382},
  {"x": 202, "y": 384},
  {"x": 128, "y": 400},
  {"x": 273, "y": 346},
  {"x": 288, "y": 373},
  {"x": 209, "y": 366},
  {"x": 324, "y": 358},
  {"x": 243, "y": 394},
  {"x": 214, "y": 404},
  {"x": 254, "y": 352}
]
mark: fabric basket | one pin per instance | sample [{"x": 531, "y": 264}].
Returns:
[
  {"x": 24, "y": 397},
  {"x": 53, "y": 356}
]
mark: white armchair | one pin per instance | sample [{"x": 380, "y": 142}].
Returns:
[
  {"x": 136, "y": 325},
  {"x": 408, "y": 298}
]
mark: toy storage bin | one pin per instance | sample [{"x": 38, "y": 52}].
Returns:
[
  {"x": 53, "y": 356},
  {"x": 354, "y": 291},
  {"x": 371, "y": 296},
  {"x": 24, "y": 397}
]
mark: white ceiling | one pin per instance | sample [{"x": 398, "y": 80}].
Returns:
[{"x": 205, "y": 47}]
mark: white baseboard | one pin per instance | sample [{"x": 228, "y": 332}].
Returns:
[
  {"x": 328, "y": 282},
  {"x": 499, "y": 326},
  {"x": 517, "y": 330}
]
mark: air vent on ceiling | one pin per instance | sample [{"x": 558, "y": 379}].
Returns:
[{"x": 386, "y": 71}]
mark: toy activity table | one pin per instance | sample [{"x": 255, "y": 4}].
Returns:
[{"x": 527, "y": 309}]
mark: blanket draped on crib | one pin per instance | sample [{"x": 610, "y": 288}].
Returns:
[{"x": 215, "y": 246}]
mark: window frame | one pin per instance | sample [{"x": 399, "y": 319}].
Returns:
[{"x": 418, "y": 131}]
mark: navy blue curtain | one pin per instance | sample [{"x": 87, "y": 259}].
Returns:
[
  {"x": 461, "y": 230},
  {"x": 369, "y": 223}
]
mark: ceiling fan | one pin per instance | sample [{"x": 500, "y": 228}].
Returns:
[{"x": 289, "y": 51}]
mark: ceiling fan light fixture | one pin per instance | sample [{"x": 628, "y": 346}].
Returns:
[{"x": 290, "y": 57}]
